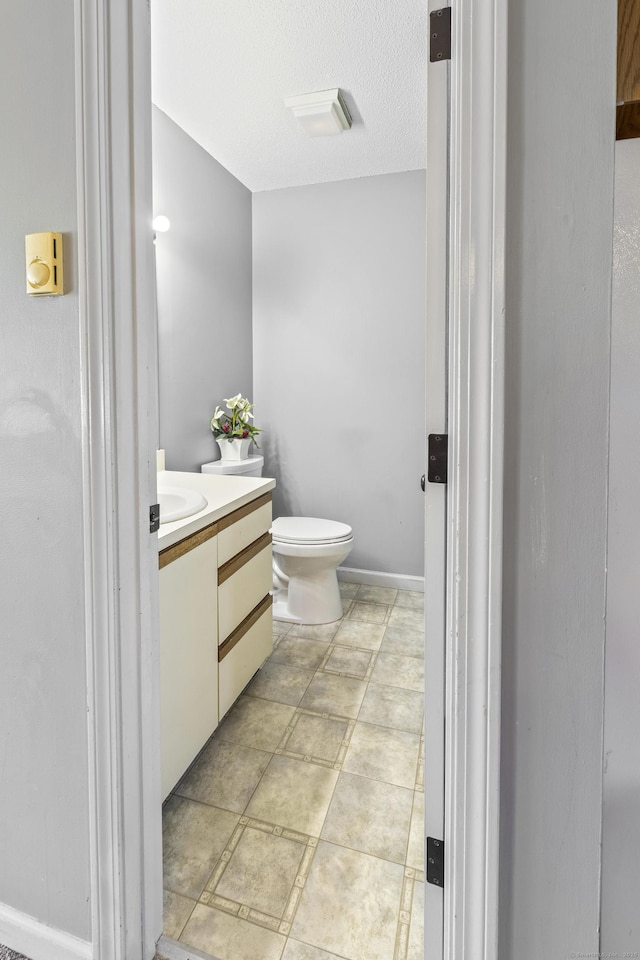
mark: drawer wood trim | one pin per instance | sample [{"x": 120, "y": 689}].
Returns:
[
  {"x": 169, "y": 554},
  {"x": 232, "y": 566},
  {"x": 244, "y": 511},
  {"x": 243, "y": 627}
]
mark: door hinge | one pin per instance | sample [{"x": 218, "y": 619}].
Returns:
[
  {"x": 154, "y": 518},
  {"x": 440, "y": 34},
  {"x": 438, "y": 453},
  {"x": 435, "y": 861}
]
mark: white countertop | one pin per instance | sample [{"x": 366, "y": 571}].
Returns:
[{"x": 223, "y": 494}]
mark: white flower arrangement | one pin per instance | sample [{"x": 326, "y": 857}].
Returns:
[{"x": 234, "y": 425}]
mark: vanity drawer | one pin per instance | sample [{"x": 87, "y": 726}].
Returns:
[
  {"x": 242, "y": 583},
  {"x": 240, "y": 528},
  {"x": 244, "y": 652}
]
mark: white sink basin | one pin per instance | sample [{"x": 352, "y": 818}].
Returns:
[{"x": 177, "y": 503}]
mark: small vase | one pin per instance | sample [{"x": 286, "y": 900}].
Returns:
[{"x": 236, "y": 449}]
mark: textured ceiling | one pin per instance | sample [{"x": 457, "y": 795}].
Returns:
[{"x": 222, "y": 68}]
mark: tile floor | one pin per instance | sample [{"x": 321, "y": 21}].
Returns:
[{"x": 297, "y": 833}]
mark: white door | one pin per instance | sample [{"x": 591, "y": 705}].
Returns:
[
  {"x": 466, "y": 185},
  {"x": 435, "y": 492}
]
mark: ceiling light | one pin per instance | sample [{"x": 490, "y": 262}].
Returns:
[
  {"x": 321, "y": 114},
  {"x": 161, "y": 224}
]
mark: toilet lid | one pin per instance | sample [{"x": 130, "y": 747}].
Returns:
[{"x": 309, "y": 530}]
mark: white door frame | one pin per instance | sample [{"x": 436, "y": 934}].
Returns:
[
  {"x": 120, "y": 437},
  {"x": 119, "y": 375},
  {"x": 477, "y": 173}
]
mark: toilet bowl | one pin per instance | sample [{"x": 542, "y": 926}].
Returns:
[{"x": 306, "y": 554}]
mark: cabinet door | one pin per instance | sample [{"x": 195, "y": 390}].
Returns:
[
  {"x": 243, "y": 527},
  {"x": 243, "y": 583},
  {"x": 188, "y": 658},
  {"x": 244, "y": 653}
]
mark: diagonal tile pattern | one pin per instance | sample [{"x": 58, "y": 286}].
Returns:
[{"x": 297, "y": 832}]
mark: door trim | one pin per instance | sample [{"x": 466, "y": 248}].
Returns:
[
  {"x": 117, "y": 331},
  {"x": 476, "y": 430}
]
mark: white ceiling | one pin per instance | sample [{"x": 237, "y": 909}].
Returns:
[{"x": 222, "y": 68}]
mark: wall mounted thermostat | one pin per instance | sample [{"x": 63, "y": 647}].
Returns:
[{"x": 44, "y": 264}]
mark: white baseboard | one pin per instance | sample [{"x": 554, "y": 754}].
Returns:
[
  {"x": 25, "y": 934},
  {"x": 375, "y": 578}
]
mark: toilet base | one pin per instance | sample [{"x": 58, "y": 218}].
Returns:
[{"x": 311, "y": 600}]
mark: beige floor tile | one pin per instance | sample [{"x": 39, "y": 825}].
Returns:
[
  {"x": 194, "y": 837},
  {"x": 280, "y": 682},
  {"x": 393, "y": 707},
  {"x": 225, "y": 775},
  {"x": 370, "y": 816},
  {"x": 280, "y": 628},
  {"x": 398, "y": 671},
  {"x": 409, "y": 618},
  {"x": 317, "y": 737},
  {"x": 357, "y": 633},
  {"x": 255, "y": 723},
  {"x": 315, "y": 631},
  {"x": 295, "y": 950},
  {"x": 416, "y": 930},
  {"x": 383, "y": 754},
  {"x": 230, "y": 938},
  {"x": 349, "y": 905},
  {"x": 370, "y": 612},
  {"x": 376, "y": 594},
  {"x": 412, "y": 599},
  {"x": 300, "y": 652},
  {"x": 349, "y": 661},
  {"x": 347, "y": 589},
  {"x": 294, "y": 794},
  {"x": 415, "y": 851},
  {"x": 405, "y": 632},
  {"x": 338, "y": 696},
  {"x": 176, "y": 912},
  {"x": 406, "y": 641},
  {"x": 262, "y": 871}
]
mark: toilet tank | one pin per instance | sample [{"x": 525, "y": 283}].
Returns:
[{"x": 251, "y": 467}]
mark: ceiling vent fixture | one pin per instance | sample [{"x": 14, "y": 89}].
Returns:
[{"x": 321, "y": 114}]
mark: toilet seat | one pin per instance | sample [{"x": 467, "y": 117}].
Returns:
[{"x": 309, "y": 530}]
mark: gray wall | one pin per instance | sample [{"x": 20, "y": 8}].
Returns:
[
  {"x": 559, "y": 233},
  {"x": 44, "y": 852},
  {"x": 338, "y": 321},
  {"x": 203, "y": 268},
  {"x": 621, "y": 832}
]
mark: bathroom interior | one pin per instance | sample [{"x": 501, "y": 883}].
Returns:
[{"x": 293, "y": 273}]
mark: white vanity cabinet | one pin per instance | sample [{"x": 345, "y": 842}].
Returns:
[
  {"x": 188, "y": 651},
  {"x": 245, "y": 626},
  {"x": 216, "y": 627}
]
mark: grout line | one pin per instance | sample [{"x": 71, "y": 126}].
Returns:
[{"x": 404, "y": 917}]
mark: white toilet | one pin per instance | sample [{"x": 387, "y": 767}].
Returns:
[
  {"x": 306, "y": 554},
  {"x": 251, "y": 467}
]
